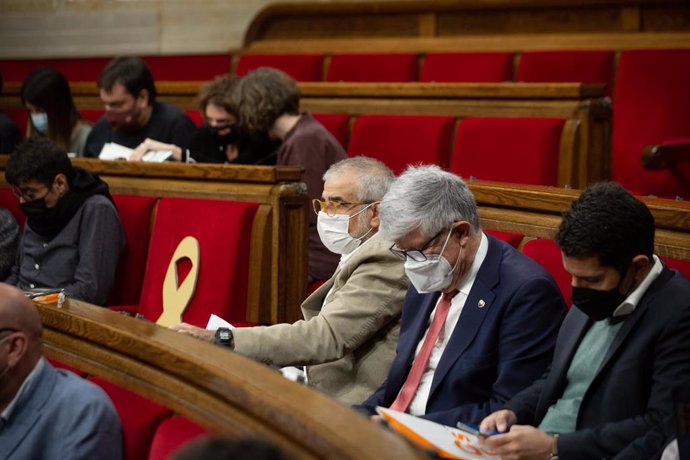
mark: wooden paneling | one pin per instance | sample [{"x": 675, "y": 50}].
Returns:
[{"x": 220, "y": 390}]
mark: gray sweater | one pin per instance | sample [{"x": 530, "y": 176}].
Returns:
[{"x": 9, "y": 239}]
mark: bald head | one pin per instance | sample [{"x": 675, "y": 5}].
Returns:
[{"x": 18, "y": 312}]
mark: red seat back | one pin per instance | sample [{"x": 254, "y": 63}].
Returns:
[
  {"x": 566, "y": 66},
  {"x": 136, "y": 214},
  {"x": 467, "y": 67},
  {"x": 191, "y": 67},
  {"x": 336, "y": 123},
  {"x": 523, "y": 150},
  {"x": 74, "y": 69},
  {"x": 380, "y": 68},
  {"x": 401, "y": 140},
  {"x": 223, "y": 229},
  {"x": 513, "y": 239},
  {"x": 139, "y": 416},
  {"x": 92, "y": 115},
  {"x": 173, "y": 433},
  {"x": 683, "y": 266},
  {"x": 11, "y": 203},
  {"x": 20, "y": 117},
  {"x": 196, "y": 116},
  {"x": 651, "y": 104},
  {"x": 548, "y": 255},
  {"x": 301, "y": 67}
]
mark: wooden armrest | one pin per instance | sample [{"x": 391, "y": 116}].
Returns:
[{"x": 663, "y": 156}]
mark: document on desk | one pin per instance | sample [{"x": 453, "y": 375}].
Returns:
[
  {"x": 113, "y": 151},
  {"x": 447, "y": 442}
]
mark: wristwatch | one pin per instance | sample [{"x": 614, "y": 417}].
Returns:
[
  {"x": 224, "y": 338},
  {"x": 554, "y": 449}
]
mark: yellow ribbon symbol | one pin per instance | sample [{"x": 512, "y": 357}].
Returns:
[{"x": 176, "y": 297}]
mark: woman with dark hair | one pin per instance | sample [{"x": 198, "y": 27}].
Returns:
[{"x": 48, "y": 98}]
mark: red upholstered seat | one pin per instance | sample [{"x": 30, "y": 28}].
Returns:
[
  {"x": 467, "y": 67},
  {"x": 513, "y": 239},
  {"x": 566, "y": 66},
  {"x": 336, "y": 123},
  {"x": 651, "y": 105},
  {"x": 683, "y": 266},
  {"x": 196, "y": 116},
  {"x": 400, "y": 140},
  {"x": 173, "y": 433},
  {"x": 223, "y": 229},
  {"x": 522, "y": 150},
  {"x": 136, "y": 215},
  {"x": 548, "y": 255},
  {"x": 67, "y": 367},
  {"x": 92, "y": 115},
  {"x": 191, "y": 67},
  {"x": 74, "y": 69},
  {"x": 373, "y": 68},
  {"x": 139, "y": 417},
  {"x": 20, "y": 117},
  {"x": 301, "y": 67}
]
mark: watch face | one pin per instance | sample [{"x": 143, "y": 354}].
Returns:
[{"x": 224, "y": 335}]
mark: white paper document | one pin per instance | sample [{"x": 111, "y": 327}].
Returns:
[{"x": 113, "y": 151}]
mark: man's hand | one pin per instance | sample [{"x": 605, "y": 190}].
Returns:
[
  {"x": 501, "y": 421},
  {"x": 522, "y": 442},
  {"x": 199, "y": 333},
  {"x": 140, "y": 151}
]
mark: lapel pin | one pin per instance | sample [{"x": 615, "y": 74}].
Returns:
[{"x": 481, "y": 303}]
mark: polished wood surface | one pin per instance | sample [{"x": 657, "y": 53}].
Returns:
[
  {"x": 220, "y": 390},
  {"x": 278, "y": 250}
]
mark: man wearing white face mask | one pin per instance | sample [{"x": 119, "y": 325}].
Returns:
[
  {"x": 350, "y": 329},
  {"x": 480, "y": 319}
]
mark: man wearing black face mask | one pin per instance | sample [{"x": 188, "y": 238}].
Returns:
[
  {"x": 73, "y": 237},
  {"x": 622, "y": 348}
]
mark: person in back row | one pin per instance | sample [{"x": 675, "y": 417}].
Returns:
[
  {"x": 46, "y": 413},
  {"x": 479, "y": 322},
  {"x": 267, "y": 101},
  {"x": 623, "y": 347},
  {"x": 132, "y": 114},
  {"x": 72, "y": 238},
  {"x": 350, "y": 328},
  {"x": 9, "y": 134},
  {"x": 52, "y": 113}
]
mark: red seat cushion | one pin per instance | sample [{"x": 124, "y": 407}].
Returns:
[
  {"x": 467, "y": 67},
  {"x": 223, "y": 229},
  {"x": 373, "y": 68},
  {"x": 566, "y": 66},
  {"x": 513, "y": 239},
  {"x": 401, "y": 140},
  {"x": 521, "y": 150},
  {"x": 336, "y": 123},
  {"x": 139, "y": 416},
  {"x": 173, "y": 433},
  {"x": 548, "y": 255},
  {"x": 683, "y": 266},
  {"x": 651, "y": 105},
  {"x": 301, "y": 67},
  {"x": 135, "y": 216}
]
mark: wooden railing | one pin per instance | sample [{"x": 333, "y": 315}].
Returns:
[{"x": 222, "y": 391}]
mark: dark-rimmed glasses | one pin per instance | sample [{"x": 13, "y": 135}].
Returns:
[
  {"x": 415, "y": 254},
  {"x": 330, "y": 207},
  {"x": 28, "y": 195}
]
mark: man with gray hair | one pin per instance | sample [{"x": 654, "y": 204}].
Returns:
[
  {"x": 480, "y": 319},
  {"x": 351, "y": 323}
]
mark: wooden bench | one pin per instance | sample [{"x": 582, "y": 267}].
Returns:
[
  {"x": 221, "y": 391},
  {"x": 278, "y": 248}
]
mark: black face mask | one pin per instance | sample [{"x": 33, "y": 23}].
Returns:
[
  {"x": 42, "y": 219},
  {"x": 596, "y": 304},
  {"x": 224, "y": 139}
]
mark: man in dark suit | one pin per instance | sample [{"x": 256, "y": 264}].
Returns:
[
  {"x": 622, "y": 348},
  {"x": 479, "y": 322},
  {"x": 46, "y": 413}
]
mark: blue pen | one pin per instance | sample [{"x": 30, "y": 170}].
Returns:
[{"x": 474, "y": 429}]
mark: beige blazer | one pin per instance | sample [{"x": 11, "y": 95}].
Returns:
[{"x": 350, "y": 329}]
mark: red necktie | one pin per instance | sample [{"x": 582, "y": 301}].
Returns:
[{"x": 409, "y": 389}]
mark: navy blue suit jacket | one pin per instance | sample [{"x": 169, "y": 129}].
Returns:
[
  {"x": 630, "y": 396},
  {"x": 495, "y": 350}
]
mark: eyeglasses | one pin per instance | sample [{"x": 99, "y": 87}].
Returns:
[
  {"x": 28, "y": 194},
  {"x": 330, "y": 207},
  {"x": 418, "y": 254}
]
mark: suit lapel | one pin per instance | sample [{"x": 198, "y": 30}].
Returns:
[{"x": 28, "y": 410}]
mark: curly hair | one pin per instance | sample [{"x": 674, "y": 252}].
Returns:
[
  {"x": 607, "y": 222},
  {"x": 262, "y": 96},
  {"x": 218, "y": 92}
]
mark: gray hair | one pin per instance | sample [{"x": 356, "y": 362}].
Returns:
[
  {"x": 428, "y": 198},
  {"x": 374, "y": 177}
]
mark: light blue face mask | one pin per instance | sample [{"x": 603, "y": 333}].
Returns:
[{"x": 40, "y": 122}]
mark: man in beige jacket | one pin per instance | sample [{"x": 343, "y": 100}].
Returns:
[{"x": 350, "y": 329}]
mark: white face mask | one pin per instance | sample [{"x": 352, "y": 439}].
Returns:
[
  {"x": 431, "y": 275},
  {"x": 333, "y": 231}
]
